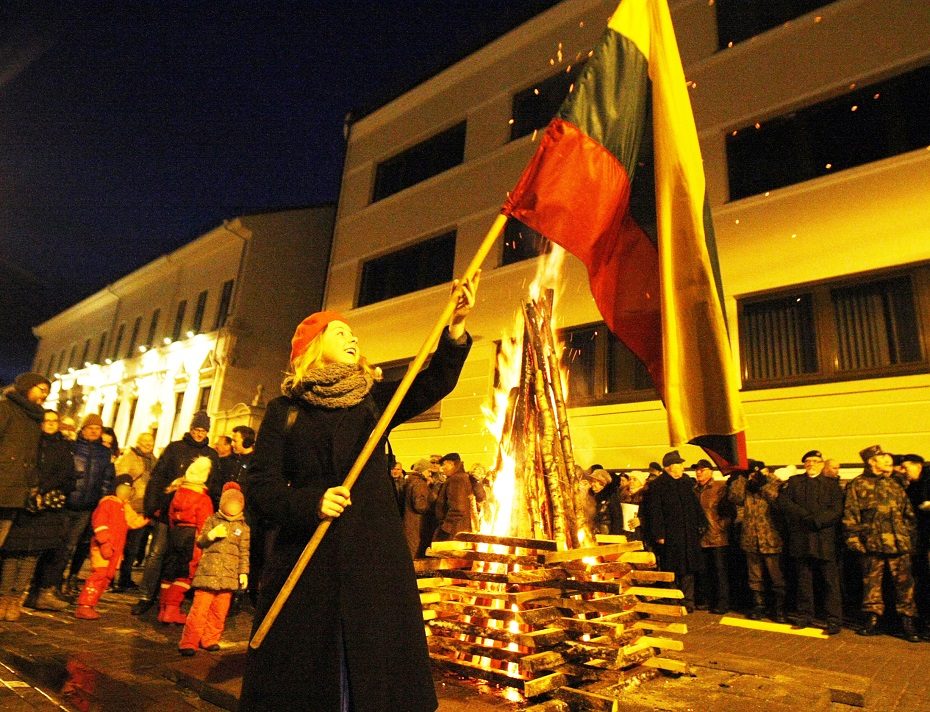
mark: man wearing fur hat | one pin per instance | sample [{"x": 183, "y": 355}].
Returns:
[
  {"x": 94, "y": 476},
  {"x": 171, "y": 465},
  {"x": 419, "y": 505},
  {"x": 879, "y": 522},
  {"x": 20, "y": 415}
]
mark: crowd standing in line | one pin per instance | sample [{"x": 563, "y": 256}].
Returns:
[{"x": 797, "y": 547}]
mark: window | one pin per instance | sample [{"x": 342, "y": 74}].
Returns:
[
  {"x": 179, "y": 320},
  {"x": 134, "y": 336},
  {"x": 61, "y": 361},
  {"x": 176, "y": 429},
  {"x": 101, "y": 345},
  {"x": 225, "y": 300},
  {"x": 72, "y": 355},
  {"x": 864, "y": 125},
  {"x": 198, "y": 312},
  {"x": 153, "y": 328},
  {"x": 394, "y": 371},
  {"x": 836, "y": 331},
  {"x": 114, "y": 354},
  {"x": 425, "y": 160},
  {"x": 522, "y": 243},
  {"x": 601, "y": 369},
  {"x": 85, "y": 353},
  {"x": 535, "y": 107},
  {"x": 738, "y": 20},
  {"x": 203, "y": 397},
  {"x": 51, "y": 364},
  {"x": 133, "y": 402},
  {"x": 424, "y": 264}
]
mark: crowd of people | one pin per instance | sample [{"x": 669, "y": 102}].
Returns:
[
  {"x": 69, "y": 496},
  {"x": 823, "y": 543},
  {"x": 766, "y": 541}
]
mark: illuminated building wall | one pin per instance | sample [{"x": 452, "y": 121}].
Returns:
[
  {"x": 439, "y": 160},
  {"x": 215, "y": 321}
]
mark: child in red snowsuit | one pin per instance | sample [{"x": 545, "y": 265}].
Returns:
[
  {"x": 223, "y": 569},
  {"x": 189, "y": 509},
  {"x": 110, "y": 521}
]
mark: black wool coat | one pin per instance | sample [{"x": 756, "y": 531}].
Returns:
[
  {"x": 674, "y": 513},
  {"x": 44, "y": 530},
  {"x": 19, "y": 448},
  {"x": 813, "y": 508},
  {"x": 172, "y": 464},
  {"x": 358, "y": 597}
]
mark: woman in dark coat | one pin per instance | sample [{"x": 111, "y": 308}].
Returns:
[
  {"x": 350, "y": 636},
  {"x": 41, "y": 527}
]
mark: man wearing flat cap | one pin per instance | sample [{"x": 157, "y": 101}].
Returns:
[
  {"x": 713, "y": 583},
  {"x": 813, "y": 507},
  {"x": 674, "y": 524},
  {"x": 453, "y": 506},
  {"x": 879, "y": 522}
]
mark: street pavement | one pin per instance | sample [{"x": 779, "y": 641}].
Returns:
[{"x": 53, "y": 661}]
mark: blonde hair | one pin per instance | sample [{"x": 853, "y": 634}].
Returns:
[{"x": 310, "y": 360}]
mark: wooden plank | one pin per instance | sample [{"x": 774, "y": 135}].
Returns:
[
  {"x": 533, "y": 616},
  {"x": 770, "y": 627},
  {"x": 480, "y": 576},
  {"x": 611, "y": 604},
  {"x": 643, "y": 558},
  {"x": 452, "y": 646},
  {"x": 544, "y": 637},
  {"x": 430, "y": 597},
  {"x": 541, "y": 544},
  {"x": 498, "y": 677},
  {"x": 593, "y": 551},
  {"x": 537, "y": 639},
  {"x": 660, "y": 609},
  {"x": 518, "y": 597},
  {"x": 651, "y": 592},
  {"x": 437, "y": 547},
  {"x": 511, "y": 559},
  {"x": 430, "y": 615},
  {"x": 608, "y": 569},
  {"x": 432, "y": 582},
  {"x": 667, "y": 664},
  {"x": 537, "y": 662},
  {"x": 584, "y": 701},
  {"x": 611, "y": 539},
  {"x": 641, "y": 576},
  {"x": 537, "y": 576},
  {"x": 661, "y": 626},
  {"x": 542, "y": 685},
  {"x": 662, "y": 643}
]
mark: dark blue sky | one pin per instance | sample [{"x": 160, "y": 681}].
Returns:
[{"x": 131, "y": 130}]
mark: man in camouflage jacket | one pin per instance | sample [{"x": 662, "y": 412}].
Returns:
[
  {"x": 879, "y": 523},
  {"x": 756, "y": 492}
]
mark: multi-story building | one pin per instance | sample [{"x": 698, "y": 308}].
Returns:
[
  {"x": 815, "y": 133},
  {"x": 206, "y": 327}
]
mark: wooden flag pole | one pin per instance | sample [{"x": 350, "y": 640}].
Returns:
[{"x": 412, "y": 370}]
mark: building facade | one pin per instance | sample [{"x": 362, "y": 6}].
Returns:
[
  {"x": 818, "y": 167},
  {"x": 206, "y": 327}
]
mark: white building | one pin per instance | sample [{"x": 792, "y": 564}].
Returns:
[
  {"x": 818, "y": 171},
  {"x": 206, "y": 327}
]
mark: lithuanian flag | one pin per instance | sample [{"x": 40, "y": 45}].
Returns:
[{"x": 617, "y": 181}]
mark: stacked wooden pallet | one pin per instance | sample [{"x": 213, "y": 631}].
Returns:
[{"x": 570, "y": 628}]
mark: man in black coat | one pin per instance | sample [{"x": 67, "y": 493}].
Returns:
[
  {"x": 813, "y": 506},
  {"x": 917, "y": 481},
  {"x": 675, "y": 524},
  {"x": 171, "y": 465}
]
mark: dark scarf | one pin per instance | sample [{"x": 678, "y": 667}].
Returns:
[
  {"x": 36, "y": 412},
  {"x": 332, "y": 387}
]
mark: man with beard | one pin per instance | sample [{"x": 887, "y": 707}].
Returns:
[{"x": 170, "y": 466}]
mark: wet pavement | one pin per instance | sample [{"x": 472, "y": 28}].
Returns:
[{"x": 51, "y": 661}]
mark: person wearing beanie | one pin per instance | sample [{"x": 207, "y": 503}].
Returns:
[
  {"x": 223, "y": 569},
  {"x": 112, "y": 518},
  {"x": 38, "y": 529},
  {"x": 94, "y": 476},
  {"x": 189, "y": 510},
  {"x": 20, "y": 415},
  {"x": 419, "y": 508},
  {"x": 171, "y": 465},
  {"x": 357, "y": 600}
]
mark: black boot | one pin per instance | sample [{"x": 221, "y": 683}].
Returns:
[
  {"x": 758, "y": 607},
  {"x": 870, "y": 627},
  {"x": 779, "y": 614},
  {"x": 141, "y": 606},
  {"x": 908, "y": 630}
]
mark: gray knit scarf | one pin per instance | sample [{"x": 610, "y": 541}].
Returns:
[{"x": 335, "y": 386}]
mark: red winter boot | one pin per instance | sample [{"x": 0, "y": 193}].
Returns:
[
  {"x": 86, "y": 613},
  {"x": 171, "y": 599}
]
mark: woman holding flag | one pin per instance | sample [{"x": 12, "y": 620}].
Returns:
[{"x": 350, "y": 636}]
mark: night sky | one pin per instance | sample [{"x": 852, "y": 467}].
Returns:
[{"x": 127, "y": 132}]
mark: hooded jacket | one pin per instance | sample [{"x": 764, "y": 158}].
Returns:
[{"x": 223, "y": 559}]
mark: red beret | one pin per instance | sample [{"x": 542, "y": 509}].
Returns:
[{"x": 309, "y": 329}]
